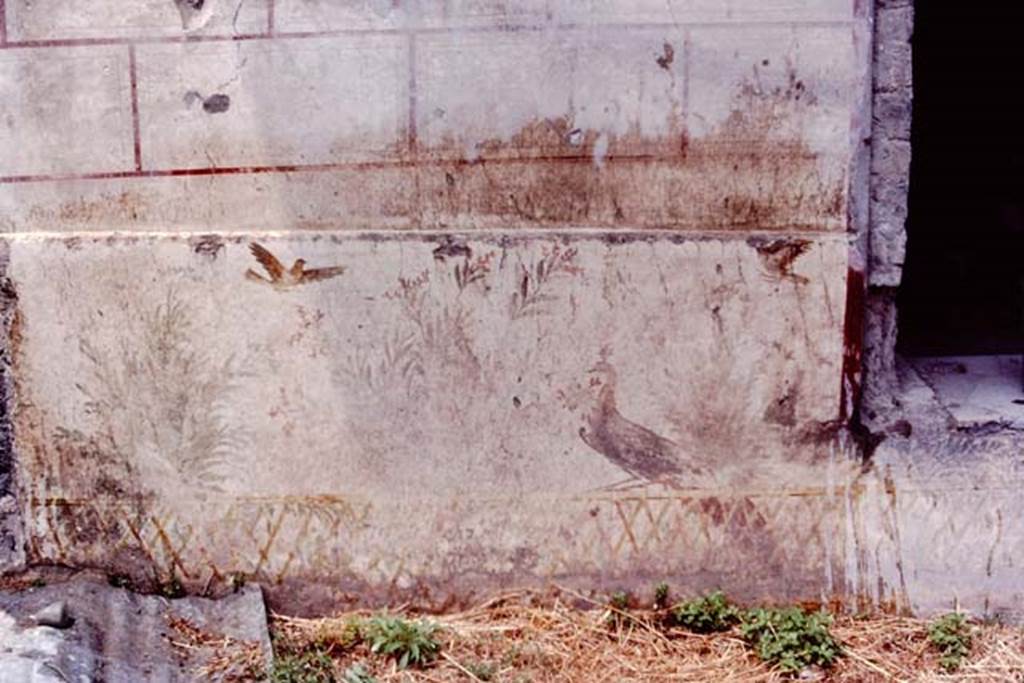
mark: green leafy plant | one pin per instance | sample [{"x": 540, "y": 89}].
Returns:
[
  {"x": 338, "y": 635},
  {"x": 708, "y": 614},
  {"x": 661, "y": 595},
  {"x": 411, "y": 643},
  {"x": 618, "y": 608},
  {"x": 312, "y": 666},
  {"x": 172, "y": 588},
  {"x": 120, "y": 581},
  {"x": 238, "y": 580},
  {"x": 950, "y": 634},
  {"x": 483, "y": 671},
  {"x": 790, "y": 638},
  {"x": 357, "y": 673},
  {"x": 619, "y": 600}
]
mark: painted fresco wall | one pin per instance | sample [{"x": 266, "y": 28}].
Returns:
[
  {"x": 414, "y": 410},
  {"x": 370, "y": 299}
]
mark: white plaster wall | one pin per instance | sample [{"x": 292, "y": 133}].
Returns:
[{"x": 574, "y": 235}]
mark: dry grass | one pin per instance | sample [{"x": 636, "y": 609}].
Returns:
[
  {"x": 214, "y": 657},
  {"x": 522, "y": 637}
]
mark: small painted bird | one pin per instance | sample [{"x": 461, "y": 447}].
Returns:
[
  {"x": 779, "y": 256},
  {"x": 283, "y": 279},
  {"x": 640, "y": 452}
]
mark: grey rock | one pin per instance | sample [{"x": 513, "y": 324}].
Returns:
[
  {"x": 891, "y": 160},
  {"x": 811, "y": 673},
  {"x": 55, "y": 615},
  {"x": 892, "y": 115},
  {"x": 893, "y": 67},
  {"x": 894, "y": 25},
  {"x": 119, "y": 636}
]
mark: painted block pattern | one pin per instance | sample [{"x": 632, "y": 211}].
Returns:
[
  {"x": 68, "y": 111},
  {"x": 341, "y": 199},
  {"x": 266, "y": 103},
  {"x": 708, "y": 11},
  {"x": 483, "y": 118},
  {"x": 56, "y": 20},
  {"x": 802, "y": 75},
  {"x": 540, "y": 94},
  {"x": 291, "y": 16}
]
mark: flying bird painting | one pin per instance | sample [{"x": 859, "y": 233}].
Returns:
[{"x": 281, "y": 278}]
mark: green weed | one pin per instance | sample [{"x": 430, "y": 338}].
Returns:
[
  {"x": 951, "y": 636},
  {"x": 172, "y": 588},
  {"x": 410, "y": 643},
  {"x": 312, "y": 666},
  {"x": 790, "y": 638},
  {"x": 484, "y": 671},
  {"x": 357, "y": 673},
  {"x": 661, "y": 595},
  {"x": 617, "y": 612},
  {"x": 708, "y": 614},
  {"x": 620, "y": 601}
]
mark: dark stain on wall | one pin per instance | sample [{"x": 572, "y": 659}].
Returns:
[
  {"x": 778, "y": 256},
  {"x": 207, "y": 246},
  {"x": 217, "y": 103},
  {"x": 853, "y": 344},
  {"x": 668, "y": 56},
  {"x": 8, "y": 313}
]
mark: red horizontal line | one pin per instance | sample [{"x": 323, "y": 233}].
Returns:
[
  {"x": 87, "y": 42},
  {"x": 336, "y": 166}
]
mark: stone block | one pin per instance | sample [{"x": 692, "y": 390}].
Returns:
[
  {"x": 65, "y": 110},
  {"x": 49, "y": 20},
  {"x": 268, "y": 103}
]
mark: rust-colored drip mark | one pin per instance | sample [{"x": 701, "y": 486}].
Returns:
[
  {"x": 136, "y": 131},
  {"x": 684, "y": 105},
  {"x": 3, "y": 23},
  {"x": 413, "y": 134},
  {"x": 270, "y": 17},
  {"x": 853, "y": 343}
]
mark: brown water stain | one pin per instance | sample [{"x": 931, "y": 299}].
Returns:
[
  {"x": 745, "y": 175},
  {"x": 751, "y": 172}
]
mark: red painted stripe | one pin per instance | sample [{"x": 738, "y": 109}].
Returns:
[
  {"x": 136, "y": 129},
  {"x": 336, "y": 166},
  {"x": 89, "y": 42}
]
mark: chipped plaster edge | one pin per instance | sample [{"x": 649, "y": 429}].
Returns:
[{"x": 12, "y": 548}]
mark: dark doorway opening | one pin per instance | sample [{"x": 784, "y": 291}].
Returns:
[
  {"x": 963, "y": 287},
  {"x": 961, "y": 302}
]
